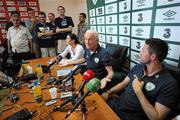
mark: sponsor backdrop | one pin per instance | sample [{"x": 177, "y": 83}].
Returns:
[
  {"x": 7, "y": 6},
  {"x": 131, "y": 22}
]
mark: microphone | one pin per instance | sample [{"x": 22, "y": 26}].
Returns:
[
  {"x": 87, "y": 76},
  {"x": 92, "y": 86},
  {"x": 59, "y": 59},
  {"x": 75, "y": 70}
]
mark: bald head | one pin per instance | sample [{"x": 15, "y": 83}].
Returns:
[{"x": 91, "y": 39}]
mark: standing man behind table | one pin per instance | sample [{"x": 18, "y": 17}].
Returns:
[
  {"x": 19, "y": 40},
  {"x": 51, "y": 17},
  {"x": 64, "y": 25},
  {"x": 82, "y": 28},
  {"x": 30, "y": 23},
  {"x": 45, "y": 32}
]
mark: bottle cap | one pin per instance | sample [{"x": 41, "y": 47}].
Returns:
[
  {"x": 35, "y": 82},
  {"x": 22, "y": 61},
  {"x": 38, "y": 65}
]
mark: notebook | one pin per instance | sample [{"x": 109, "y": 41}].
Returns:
[{"x": 63, "y": 72}]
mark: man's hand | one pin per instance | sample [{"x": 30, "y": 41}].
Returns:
[
  {"x": 104, "y": 82},
  {"x": 40, "y": 35},
  {"x": 54, "y": 59},
  {"x": 58, "y": 30},
  {"x": 137, "y": 85},
  {"x": 105, "y": 96}
]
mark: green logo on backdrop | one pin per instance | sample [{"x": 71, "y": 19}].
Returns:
[
  {"x": 110, "y": 29},
  {"x": 169, "y": 13},
  {"x": 125, "y": 41},
  {"x": 139, "y": 30},
  {"x": 137, "y": 57},
  {"x": 94, "y": 2},
  {"x": 110, "y": 8},
  {"x": 125, "y": 17},
  {"x": 140, "y": 1}
]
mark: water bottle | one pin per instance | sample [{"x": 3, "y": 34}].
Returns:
[
  {"x": 37, "y": 93},
  {"x": 40, "y": 74}
]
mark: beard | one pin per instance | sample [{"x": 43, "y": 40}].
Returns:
[{"x": 147, "y": 61}]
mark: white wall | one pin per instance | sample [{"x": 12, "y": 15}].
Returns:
[{"x": 72, "y": 7}]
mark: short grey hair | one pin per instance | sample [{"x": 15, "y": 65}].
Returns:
[
  {"x": 15, "y": 14},
  {"x": 93, "y": 33}
]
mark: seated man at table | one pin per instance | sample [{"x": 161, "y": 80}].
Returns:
[
  {"x": 149, "y": 91},
  {"x": 98, "y": 60}
]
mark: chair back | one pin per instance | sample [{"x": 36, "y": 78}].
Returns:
[{"x": 118, "y": 55}]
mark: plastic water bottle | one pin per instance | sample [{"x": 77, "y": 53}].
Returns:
[
  {"x": 37, "y": 93},
  {"x": 40, "y": 74}
]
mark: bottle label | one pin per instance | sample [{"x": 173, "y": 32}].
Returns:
[
  {"x": 25, "y": 70},
  {"x": 40, "y": 74},
  {"x": 38, "y": 99},
  {"x": 41, "y": 77}
]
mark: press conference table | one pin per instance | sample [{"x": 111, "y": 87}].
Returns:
[{"x": 26, "y": 100}]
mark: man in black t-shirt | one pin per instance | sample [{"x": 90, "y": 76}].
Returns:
[
  {"x": 45, "y": 32},
  {"x": 149, "y": 91},
  {"x": 64, "y": 25},
  {"x": 51, "y": 17}
]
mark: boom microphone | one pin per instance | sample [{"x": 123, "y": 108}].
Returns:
[
  {"x": 58, "y": 57},
  {"x": 92, "y": 86},
  {"x": 87, "y": 76}
]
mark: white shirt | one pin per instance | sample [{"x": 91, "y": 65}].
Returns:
[
  {"x": 77, "y": 54},
  {"x": 19, "y": 39}
]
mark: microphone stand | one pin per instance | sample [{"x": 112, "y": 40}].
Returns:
[
  {"x": 83, "y": 106},
  {"x": 49, "y": 79},
  {"x": 73, "y": 100}
]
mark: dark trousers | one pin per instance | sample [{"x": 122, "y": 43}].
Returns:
[
  {"x": 18, "y": 57},
  {"x": 114, "y": 103}
]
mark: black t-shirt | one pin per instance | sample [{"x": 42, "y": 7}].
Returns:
[
  {"x": 97, "y": 61},
  {"x": 54, "y": 37},
  {"x": 45, "y": 42},
  {"x": 63, "y": 23},
  {"x": 161, "y": 88}
]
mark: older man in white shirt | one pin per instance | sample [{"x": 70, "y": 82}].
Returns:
[{"x": 19, "y": 39}]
